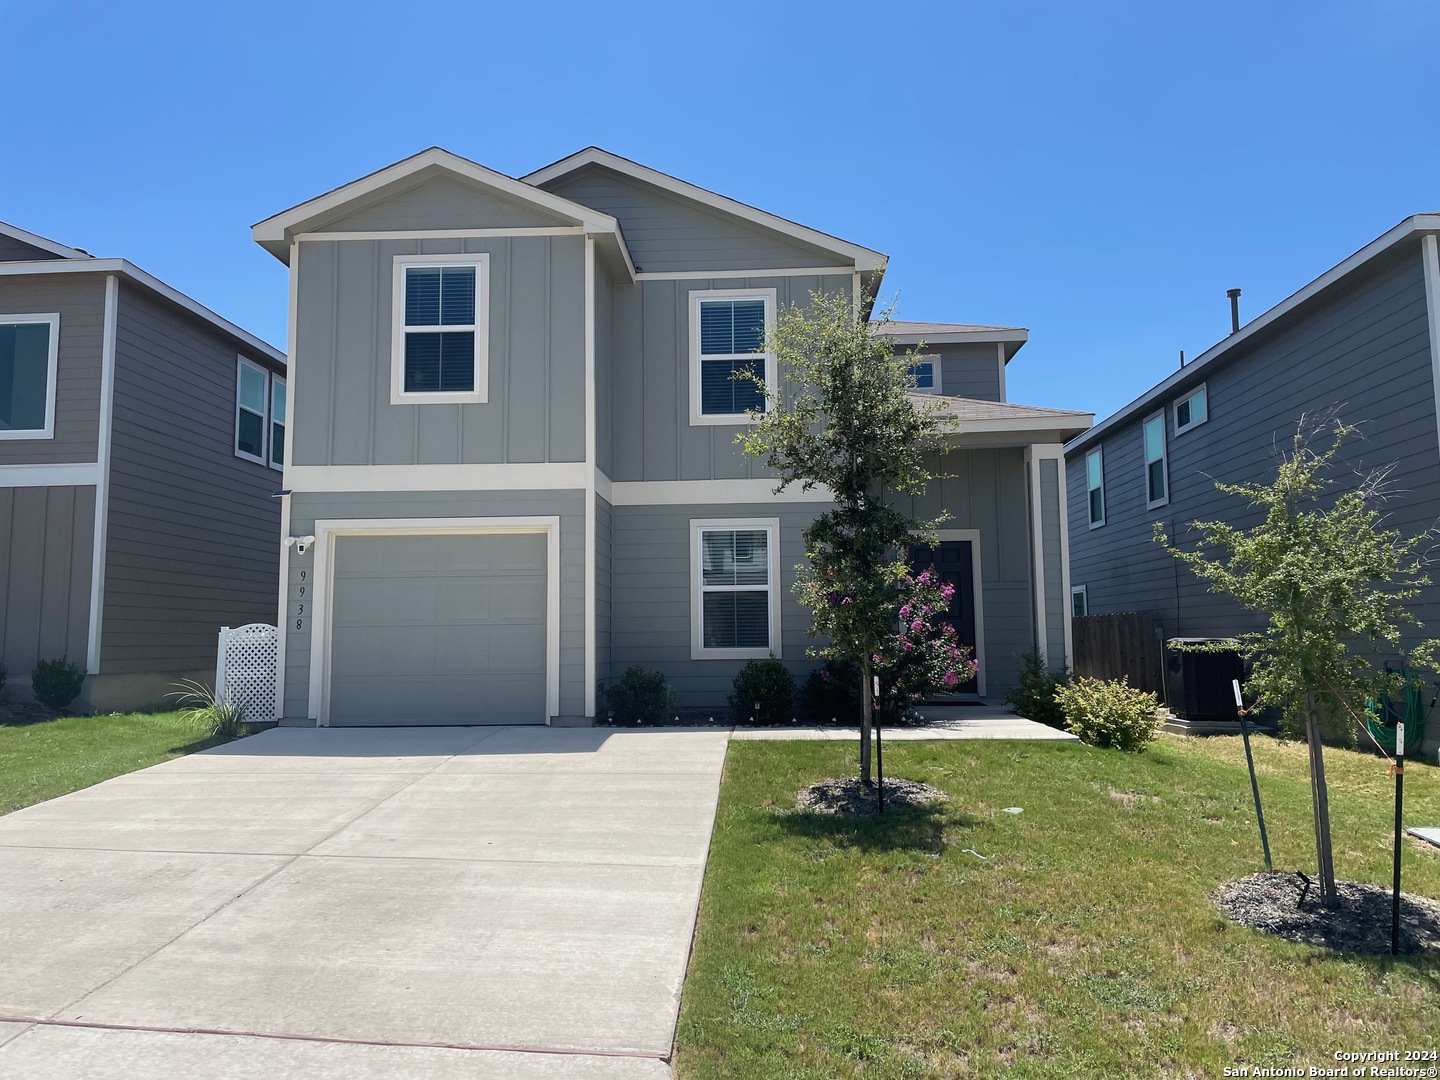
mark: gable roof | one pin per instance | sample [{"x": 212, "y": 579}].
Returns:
[
  {"x": 1415, "y": 225},
  {"x": 864, "y": 258},
  {"x": 277, "y": 231},
  {"x": 974, "y": 416},
  {"x": 40, "y": 242}
]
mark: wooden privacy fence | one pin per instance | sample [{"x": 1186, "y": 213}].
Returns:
[{"x": 1124, "y": 644}]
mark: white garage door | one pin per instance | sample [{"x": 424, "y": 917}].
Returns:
[{"x": 438, "y": 630}]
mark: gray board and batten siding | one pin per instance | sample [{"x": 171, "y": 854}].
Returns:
[
  {"x": 193, "y": 536},
  {"x": 1362, "y": 348},
  {"x": 45, "y": 564},
  {"x": 604, "y": 594},
  {"x": 536, "y": 406},
  {"x": 668, "y": 233}
]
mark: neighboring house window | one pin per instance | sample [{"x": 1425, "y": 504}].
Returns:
[
  {"x": 736, "y": 612},
  {"x": 277, "y": 422},
  {"x": 1095, "y": 483},
  {"x": 439, "y": 347},
  {"x": 727, "y": 335},
  {"x": 1156, "y": 478},
  {"x": 926, "y": 373},
  {"x": 259, "y": 414},
  {"x": 1191, "y": 410},
  {"x": 29, "y": 348},
  {"x": 1079, "y": 602}
]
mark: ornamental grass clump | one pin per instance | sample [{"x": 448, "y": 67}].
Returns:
[{"x": 1111, "y": 714}]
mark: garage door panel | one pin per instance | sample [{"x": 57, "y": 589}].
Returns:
[{"x": 438, "y": 629}]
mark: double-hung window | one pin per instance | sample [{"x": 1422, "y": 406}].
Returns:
[
  {"x": 1192, "y": 410},
  {"x": 925, "y": 370},
  {"x": 1095, "y": 486},
  {"x": 728, "y": 331},
  {"x": 29, "y": 351},
  {"x": 259, "y": 414},
  {"x": 1079, "y": 602},
  {"x": 1157, "y": 480},
  {"x": 735, "y": 603},
  {"x": 439, "y": 332}
]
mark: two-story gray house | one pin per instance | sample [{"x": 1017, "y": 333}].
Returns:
[
  {"x": 140, "y": 443},
  {"x": 1363, "y": 339},
  {"x": 511, "y": 470}
]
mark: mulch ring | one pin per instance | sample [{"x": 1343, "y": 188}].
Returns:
[
  {"x": 19, "y": 713},
  {"x": 1360, "y": 921},
  {"x": 850, "y": 798}
]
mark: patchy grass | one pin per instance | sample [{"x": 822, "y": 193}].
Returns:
[
  {"x": 40, "y": 761},
  {"x": 1084, "y": 944}
]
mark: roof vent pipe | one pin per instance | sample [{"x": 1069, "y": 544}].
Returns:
[{"x": 1234, "y": 295}]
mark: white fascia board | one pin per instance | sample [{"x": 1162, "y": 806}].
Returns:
[
  {"x": 1020, "y": 424},
  {"x": 1017, "y": 336},
  {"x": 37, "y": 241},
  {"x": 705, "y": 492},
  {"x": 275, "y": 229},
  {"x": 1411, "y": 226},
  {"x": 50, "y": 474},
  {"x": 534, "y": 476},
  {"x": 863, "y": 258},
  {"x": 129, "y": 270}
]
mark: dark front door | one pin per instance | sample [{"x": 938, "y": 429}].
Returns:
[{"x": 952, "y": 560}]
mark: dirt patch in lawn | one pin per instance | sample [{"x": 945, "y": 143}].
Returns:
[
  {"x": 850, "y": 798},
  {"x": 1360, "y": 921}
]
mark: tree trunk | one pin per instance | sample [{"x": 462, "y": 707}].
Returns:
[
  {"x": 866, "y": 704},
  {"x": 1320, "y": 798}
]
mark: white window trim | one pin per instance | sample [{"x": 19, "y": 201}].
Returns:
[
  {"x": 1099, "y": 452},
  {"x": 481, "y": 329},
  {"x": 1164, "y": 460},
  {"x": 264, "y": 458},
  {"x": 697, "y": 607},
  {"x": 772, "y": 378},
  {"x": 276, "y": 380},
  {"x": 52, "y": 369},
  {"x": 1175, "y": 408},
  {"x": 1079, "y": 590},
  {"x": 934, "y": 362}
]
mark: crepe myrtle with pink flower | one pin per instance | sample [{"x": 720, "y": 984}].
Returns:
[{"x": 924, "y": 657}]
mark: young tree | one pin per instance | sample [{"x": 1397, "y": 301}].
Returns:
[
  {"x": 1332, "y": 582},
  {"x": 842, "y": 417}
]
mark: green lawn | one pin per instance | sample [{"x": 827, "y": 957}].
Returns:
[
  {"x": 41, "y": 761},
  {"x": 1085, "y": 944}
]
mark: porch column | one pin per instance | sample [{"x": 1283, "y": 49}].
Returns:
[{"x": 1050, "y": 552}]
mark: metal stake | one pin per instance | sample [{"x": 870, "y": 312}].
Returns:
[
  {"x": 879, "y": 746},
  {"x": 1254, "y": 784},
  {"x": 1399, "y": 807}
]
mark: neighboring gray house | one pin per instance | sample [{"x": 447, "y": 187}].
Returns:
[
  {"x": 140, "y": 440},
  {"x": 1362, "y": 339},
  {"x": 512, "y": 471}
]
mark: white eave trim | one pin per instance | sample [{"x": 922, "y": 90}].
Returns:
[
  {"x": 129, "y": 270},
  {"x": 1026, "y": 424},
  {"x": 959, "y": 337},
  {"x": 37, "y": 241},
  {"x": 1417, "y": 224},
  {"x": 863, "y": 258}
]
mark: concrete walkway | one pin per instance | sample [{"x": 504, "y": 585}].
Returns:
[
  {"x": 445, "y": 902},
  {"x": 947, "y": 722}
]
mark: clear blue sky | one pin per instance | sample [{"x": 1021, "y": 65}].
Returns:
[{"x": 1097, "y": 172}]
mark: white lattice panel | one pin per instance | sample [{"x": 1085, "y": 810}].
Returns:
[{"x": 247, "y": 669}]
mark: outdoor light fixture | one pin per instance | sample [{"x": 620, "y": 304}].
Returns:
[{"x": 300, "y": 543}]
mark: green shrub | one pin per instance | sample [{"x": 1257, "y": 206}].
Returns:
[
  {"x": 1110, "y": 713},
  {"x": 221, "y": 716},
  {"x": 831, "y": 694},
  {"x": 640, "y": 695},
  {"x": 1035, "y": 697},
  {"x": 768, "y": 682},
  {"x": 4, "y": 673},
  {"x": 57, "y": 683}
]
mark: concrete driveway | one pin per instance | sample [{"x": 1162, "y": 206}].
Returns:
[{"x": 444, "y": 902}]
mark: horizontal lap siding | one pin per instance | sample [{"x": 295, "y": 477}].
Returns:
[
  {"x": 194, "y": 533},
  {"x": 46, "y": 540},
  {"x": 80, "y": 302},
  {"x": 653, "y": 436},
  {"x": 971, "y": 371},
  {"x": 604, "y": 517},
  {"x": 668, "y": 233},
  {"x": 536, "y": 394},
  {"x": 12, "y": 250},
  {"x": 1363, "y": 350},
  {"x": 308, "y": 507}
]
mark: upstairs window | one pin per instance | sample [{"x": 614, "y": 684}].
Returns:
[
  {"x": 1095, "y": 484},
  {"x": 926, "y": 373},
  {"x": 728, "y": 332},
  {"x": 1079, "y": 602},
  {"x": 29, "y": 348},
  {"x": 1156, "y": 473},
  {"x": 1191, "y": 410},
  {"x": 259, "y": 414},
  {"x": 439, "y": 342},
  {"x": 735, "y": 605}
]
